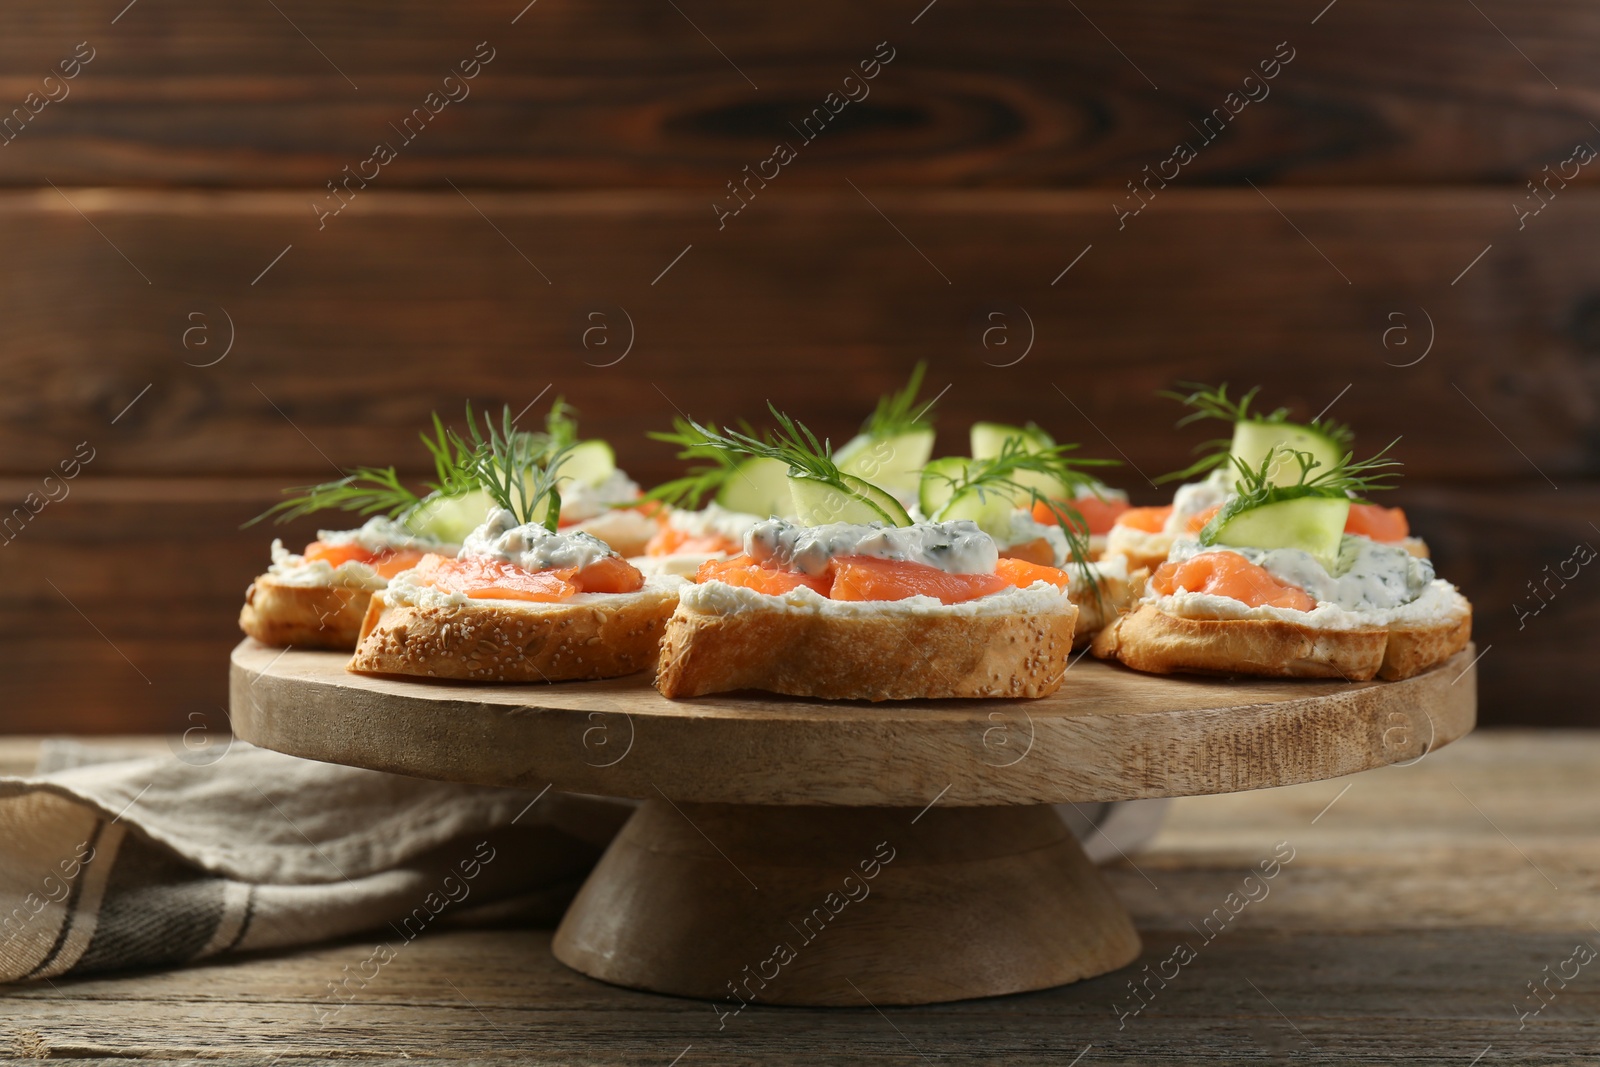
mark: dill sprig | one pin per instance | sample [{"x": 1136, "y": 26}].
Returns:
[
  {"x": 808, "y": 457},
  {"x": 898, "y": 413},
  {"x": 716, "y": 467},
  {"x": 997, "y": 474},
  {"x": 364, "y": 490},
  {"x": 518, "y": 470},
  {"x": 1213, "y": 402},
  {"x": 1349, "y": 478}
]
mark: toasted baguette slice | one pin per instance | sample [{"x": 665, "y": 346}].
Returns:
[
  {"x": 306, "y": 616},
  {"x": 1118, "y": 591},
  {"x": 865, "y": 652},
  {"x": 1153, "y": 640},
  {"x": 593, "y": 635}
]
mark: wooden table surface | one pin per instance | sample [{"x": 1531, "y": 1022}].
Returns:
[{"x": 1419, "y": 904}]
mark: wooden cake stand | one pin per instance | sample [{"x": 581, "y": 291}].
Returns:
[{"x": 801, "y": 852}]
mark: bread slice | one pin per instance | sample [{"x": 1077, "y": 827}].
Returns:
[
  {"x": 306, "y": 616},
  {"x": 834, "y": 652},
  {"x": 1153, "y": 640},
  {"x": 592, "y": 635},
  {"x": 1095, "y": 613}
]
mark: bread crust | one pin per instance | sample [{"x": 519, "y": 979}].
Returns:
[
  {"x": 892, "y": 655},
  {"x": 503, "y": 641},
  {"x": 305, "y": 616},
  {"x": 1095, "y": 613},
  {"x": 1157, "y": 642}
]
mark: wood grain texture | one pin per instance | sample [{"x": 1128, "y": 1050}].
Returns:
[
  {"x": 798, "y": 905},
  {"x": 1404, "y": 930},
  {"x": 1108, "y": 734},
  {"x": 1019, "y": 93},
  {"x": 351, "y": 339}
]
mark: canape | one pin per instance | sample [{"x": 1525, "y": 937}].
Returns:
[
  {"x": 524, "y": 601},
  {"x": 1145, "y": 535},
  {"x": 1273, "y": 585},
  {"x": 854, "y": 600},
  {"x": 317, "y": 598}
]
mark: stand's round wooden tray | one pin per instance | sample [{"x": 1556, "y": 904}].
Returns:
[{"x": 759, "y": 808}]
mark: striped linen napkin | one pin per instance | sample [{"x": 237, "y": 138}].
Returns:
[{"x": 109, "y": 862}]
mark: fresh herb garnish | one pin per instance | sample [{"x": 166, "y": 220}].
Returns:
[
  {"x": 518, "y": 470},
  {"x": 1349, "y": 478},
  {"x": 898, "y": 412},
  {"x": 1213, "y": 402},
  {"x": 717, "y": 466},
  {"x": 808, "y": 457},
  {"x": 997, "y": 474},
  {"x": 460, "y": 466}
]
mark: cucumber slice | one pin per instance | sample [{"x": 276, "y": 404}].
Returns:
[
  {"x": 935, "y": 488},
  {"x": 1312, "y": 523},
  {"x": 759, "y": 486},
  {"x": 451, "y": 518},
  {"x": 890, "y": 462},
  {"x": 589, "y": 462},
  {"x": 988, "y": 438},
  {"x": 818, "y": 503},
  {"x": 1252, "y": 441},
  {"x": 990, "y": 509}
]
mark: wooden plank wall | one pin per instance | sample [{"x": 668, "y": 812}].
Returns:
[{"x": 1360, "y": 232}]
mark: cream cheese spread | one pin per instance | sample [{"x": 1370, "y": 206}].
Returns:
[
  {"x": 531, "y": 546},
  {"x": 720, "y": 598},
  {"x": 380, "y": 534},
  {"x": 580, "y": 501},
  {"x": 290, "y": 568},
  {"x": 957, "y": 547},
  {"x": 1198, "y": 497},
  {"x": 714, "y": 520},
  {"x": 405, "y": 591}
]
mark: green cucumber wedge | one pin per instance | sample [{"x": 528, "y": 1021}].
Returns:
[
  {"x": 1253, "y": 441},
  {"x": 451, "y": 518},
  {"x": 589, "y": 462},
  {"x": 1312, "y": 523},
  {"x": 988, "y": 438},
  {"x": 938, "y": 483},
  {"x": 759, "y": 486},
  {"x": 891, "y": 462},
  {"x": 818, "y": 503}
]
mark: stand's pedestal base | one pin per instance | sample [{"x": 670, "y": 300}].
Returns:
[{"x": 844, "y": 905}]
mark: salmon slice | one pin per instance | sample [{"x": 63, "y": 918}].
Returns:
[
  {"x": 1021, "y": 573},
  {"x": 388, "y": 563},
  {"x": 1039, "y": 550},
  {"x": 1149, "y": 520},
  {"x": 493, "y": 579},
  {"x": 669, "y": 541},
  {"x": 1378, "y": 522},
  {"x": 610, "y": 574},
  {"x": 1196, "y": 523},
  {"x": 1100, "y": 515},
  {"x": 870, "y": 578},
  {"x": 748, "y": 574},
  {"x": 1231, "y": 575}
]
